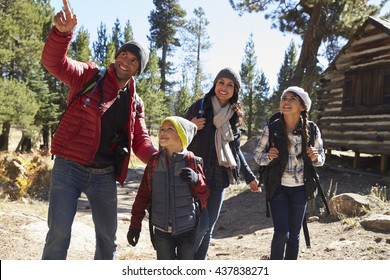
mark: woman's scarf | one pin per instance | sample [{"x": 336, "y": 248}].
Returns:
[{"x": 223, "y": 134}]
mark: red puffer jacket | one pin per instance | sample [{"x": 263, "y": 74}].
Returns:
[{"x": 78, "y": 134}]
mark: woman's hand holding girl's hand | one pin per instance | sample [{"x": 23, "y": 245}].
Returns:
[{"x": 254, "y": 186}]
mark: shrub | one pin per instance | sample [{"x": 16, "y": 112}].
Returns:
[
  {"x": 24, "y": 177},
  {"x": 379, "y": 192}
]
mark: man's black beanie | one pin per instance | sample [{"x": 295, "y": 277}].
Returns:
[{"x": 138, "y": 50}]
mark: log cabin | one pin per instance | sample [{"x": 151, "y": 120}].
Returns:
[{"x": 354, "y": 94}]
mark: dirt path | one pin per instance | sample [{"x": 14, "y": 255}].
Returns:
[{"x": 243, "y": 232}]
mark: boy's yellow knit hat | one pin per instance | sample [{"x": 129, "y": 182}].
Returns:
[{"x": 184, "y": 128}]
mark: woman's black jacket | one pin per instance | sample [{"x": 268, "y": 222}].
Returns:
[{"x": 203, "y": 144}]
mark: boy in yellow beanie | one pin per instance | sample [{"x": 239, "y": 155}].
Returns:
[{"x": 174, "y": 191}]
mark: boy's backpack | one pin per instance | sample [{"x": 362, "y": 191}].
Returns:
[{"x": 263, "y": 169}]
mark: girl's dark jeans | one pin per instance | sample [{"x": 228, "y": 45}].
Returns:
[{"x": 288, "y": 207}]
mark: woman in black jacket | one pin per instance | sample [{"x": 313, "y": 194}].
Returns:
[{"x": 218, "y": 116}]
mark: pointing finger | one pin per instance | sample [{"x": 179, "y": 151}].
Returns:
[
  {"x": 66, "y": 5},
  {"x": 67, "y": 10}
]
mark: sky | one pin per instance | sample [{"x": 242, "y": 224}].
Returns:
[{"x": 228, "y": 32}]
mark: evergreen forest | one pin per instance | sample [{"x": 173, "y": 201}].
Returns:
[{"x": 32, "y": 100}]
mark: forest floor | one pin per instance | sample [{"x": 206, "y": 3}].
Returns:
[{"x": 243, "y": 232}]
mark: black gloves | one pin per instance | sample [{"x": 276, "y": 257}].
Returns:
[
  {"x": 133, "y": 236},
  {"x": 188, "y": 175}
]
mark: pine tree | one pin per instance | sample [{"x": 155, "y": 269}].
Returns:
[
  {"x": 165, "y": 21},
  {"x": 23, "y": 24},
  {"x": 196, "y": 42},
  {"x": 254, "y": 89},
  {"x": 79, "y": 48},
  {"x": 183, "y": 97},
  {"x": 148, "y": 88},
  {"x": 19, "y": 107},
  {"x": 128, "y": 32},
  {"x": 117, "y": 35},
  {"x": 285, "y": 76},
  {"x": 110, "y": 54},
  {"x": 100, "y": 45}
]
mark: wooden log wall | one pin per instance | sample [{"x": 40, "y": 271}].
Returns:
[{"x": 363, "y": 130}]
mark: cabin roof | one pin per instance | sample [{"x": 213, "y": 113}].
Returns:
[{"x": 382, "y": 24}]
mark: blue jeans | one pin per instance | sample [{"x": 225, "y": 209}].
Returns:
[
  {"x": 68, "y": 181},
  {"x": 208, "y": 219},
  {"x": 172, "y": 247},
  {"x": 288, "y": 207}
]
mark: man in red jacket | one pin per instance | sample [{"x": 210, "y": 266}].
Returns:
[{"x": 93, "y": 141}]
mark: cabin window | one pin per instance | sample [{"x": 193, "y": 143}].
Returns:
[{"x": 367, "y": 89}]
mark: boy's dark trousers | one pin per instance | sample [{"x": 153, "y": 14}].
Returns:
[{"x": 172, "y": 247}]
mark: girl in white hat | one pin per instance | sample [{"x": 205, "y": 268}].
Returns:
[{"x": 289, "y": 148}]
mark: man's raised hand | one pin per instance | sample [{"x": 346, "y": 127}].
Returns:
[{"x": 65, "y": 20}]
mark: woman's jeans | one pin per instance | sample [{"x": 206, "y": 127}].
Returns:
[
  {"x": 288, "y": 207},
  {"x": 68, "y": 181},
  {"x": 208, "y": 219}
]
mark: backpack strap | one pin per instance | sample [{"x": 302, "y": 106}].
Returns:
[
  {"x": 274, "y": 117},
  {"x": 201, "y": 109},
  {"x": 137, "y": 105},
  {"x": 149, "y": 170},
  {"x": 321, "y": 193},
  {"x": 193, "y": 161},
  {"x": 92, "y": 83},
  {"x": 313, "y": 133},
  {"x": 306, "y": 231},
  {"x": 262, "y": 169},
  {"x": 197, "y": 110}
]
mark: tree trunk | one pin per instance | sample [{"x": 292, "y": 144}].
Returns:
[
  {"x": 308, "y": 51},
  {"x": 163, "y": 66},
  {"x": 4, "y": 137},
  {"x": 24, "y": 144},
  {"x": 45, "y": 137}
]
